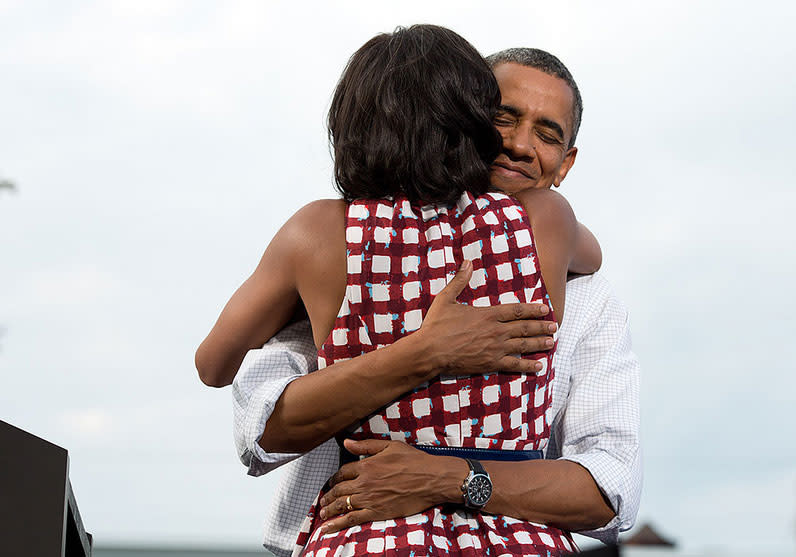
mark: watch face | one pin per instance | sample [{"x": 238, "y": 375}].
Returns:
[{"x": 479, "y": 489}]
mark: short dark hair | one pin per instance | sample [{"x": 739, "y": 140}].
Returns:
[
  {"x": 549, "y": 64},
  {"x": 413, "y": 115}
]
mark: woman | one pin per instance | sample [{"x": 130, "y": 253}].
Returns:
[{"x": 411, "y": 125}]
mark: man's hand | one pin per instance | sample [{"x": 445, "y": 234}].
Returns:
[
  {"x": 395, "y": 480},
  {"x": 454, "y": 339},
  {"x": 469, "y": 340}
]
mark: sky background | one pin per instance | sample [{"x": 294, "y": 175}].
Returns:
[{"x": 157, "y": 146}]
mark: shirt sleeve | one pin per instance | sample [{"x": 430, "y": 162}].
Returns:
[
  {"x": 600, "y": 421},
  {"x": 260, "y": 381}
]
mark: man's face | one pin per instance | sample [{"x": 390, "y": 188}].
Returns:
[{"x": 535, "y": 120}]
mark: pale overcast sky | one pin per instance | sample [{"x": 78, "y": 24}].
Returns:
[{"x": 157, "y": 146}]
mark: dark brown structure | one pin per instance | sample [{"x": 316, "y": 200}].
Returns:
[
  {"x": 38, "y": 511},
  {"x": 645, "y": 535}
]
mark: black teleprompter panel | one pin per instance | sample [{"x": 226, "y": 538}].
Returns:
[{"x": 38, "y": 511}]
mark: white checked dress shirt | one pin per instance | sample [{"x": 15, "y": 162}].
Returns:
[{"x": 595, "y": 409}]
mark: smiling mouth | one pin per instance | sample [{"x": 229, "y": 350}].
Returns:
[{"x": 511, "y": 170}]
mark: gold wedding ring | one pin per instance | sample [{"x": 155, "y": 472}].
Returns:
[{"x": 348, "y": 506}]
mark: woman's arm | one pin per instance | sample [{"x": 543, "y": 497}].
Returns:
[
  {"x": 265, "y": 302},
  {"x": 307, "y": 258},
  {"x": 588, "y": 256},
  {"x": 563, "y": 245},
  {"x": 255, "y": 312}
]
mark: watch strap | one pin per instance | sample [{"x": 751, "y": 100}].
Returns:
[
  {"x": 476, "y": 467},
  {"x": 477, "y": 474}
]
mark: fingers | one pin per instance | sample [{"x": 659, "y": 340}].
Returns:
[
  {"x": 528, "y": 345},
  {"x": 530, "y": 328},
  {"x": 367, "y": 447},
  {"x": 333, "y": 494},
  {"x": 512, "y": 312},
  {"x": 334, "y": 505},
  {"x": 513, "y": 364},
  {"x": 457, "y": 283},
  {"x": 345, "y": 473},
  {"x": 347, "y": 521}
]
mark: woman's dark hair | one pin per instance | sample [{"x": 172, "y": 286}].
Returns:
[{"x": 412, "y": 115}]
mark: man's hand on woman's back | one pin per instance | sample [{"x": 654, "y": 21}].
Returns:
[
  {"x": 464, "y": 340},
  {"x": 454, "y": 339}
]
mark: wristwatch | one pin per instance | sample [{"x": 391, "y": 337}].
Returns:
[{"x": 477, "y": 486}]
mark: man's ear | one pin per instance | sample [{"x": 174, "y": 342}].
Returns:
[{"x": 563, "y": 170}]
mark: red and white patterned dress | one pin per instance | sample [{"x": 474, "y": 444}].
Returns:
[{"x": 399, "y": 257}]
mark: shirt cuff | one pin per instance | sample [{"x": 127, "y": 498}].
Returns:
[
  {"x": 259, "y": 410},
  {"x": 263, "y": 376},
  {"x": 604, "y": 472}
]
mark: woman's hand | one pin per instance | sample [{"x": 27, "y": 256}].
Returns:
[
  {"x": 466, "y": 340},
  {"x": 395, "y": 480}
]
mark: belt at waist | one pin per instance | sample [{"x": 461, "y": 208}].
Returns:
[
  {"x": 480, "y": 454},
  {"x": 463, "y": 452}
]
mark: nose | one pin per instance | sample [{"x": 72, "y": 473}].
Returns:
[{"x": 518, "y": 142}]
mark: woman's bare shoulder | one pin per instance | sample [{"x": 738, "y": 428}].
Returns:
[
  {"x": 315, "y": 224},
  {"x": 319, "y": 212},
  {"x": 323, "y": 208}
]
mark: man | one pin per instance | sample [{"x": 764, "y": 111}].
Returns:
[{"x": 590, "y": 480}]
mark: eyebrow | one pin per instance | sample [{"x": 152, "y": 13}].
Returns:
[{"x": 508, "y": 109}]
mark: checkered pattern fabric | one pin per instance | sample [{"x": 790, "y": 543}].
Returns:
[
  {"x": 399, "y": 257},
  {"x": 441, "y": 531},
  {"x": 595, "y": 409}
]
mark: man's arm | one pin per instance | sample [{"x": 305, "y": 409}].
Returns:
[
  {"x": 398, "y": 480},
  {"x": 598, "y": 425},
  {"x": 564, "y": 492},
  {"x": 266, "y": 372},
  {"x": 598, "y": 475},
  {"x": 281, "y": 411},
  {"x": 453, "y": 339},
  {"x": 263, "y": 375}
]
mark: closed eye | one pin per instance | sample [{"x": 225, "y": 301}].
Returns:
[
  {"x": 549, "y": 131},
  {"x": 548, "y": 138},
  {"x": 506, "y": 116}
]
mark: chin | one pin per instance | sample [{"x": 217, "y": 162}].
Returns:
[{"x": 511, "y": 186}]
